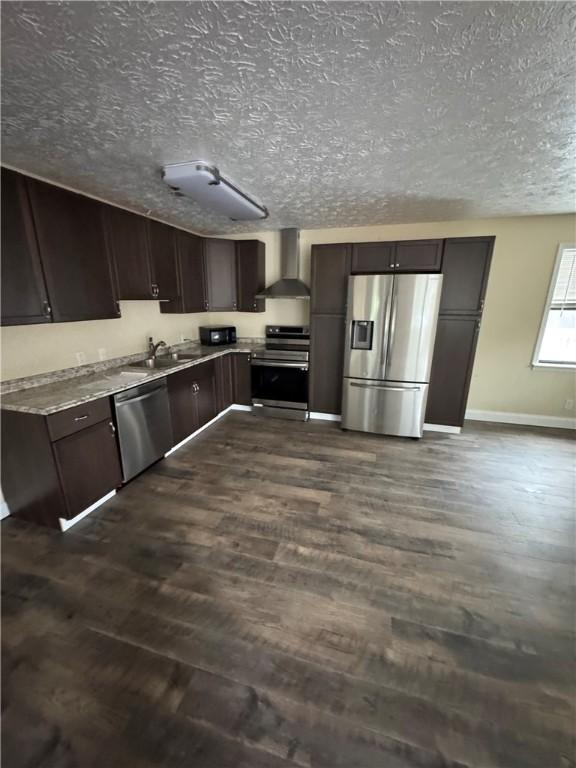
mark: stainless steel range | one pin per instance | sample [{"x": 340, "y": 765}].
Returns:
[{"x": 280, "y": 373}]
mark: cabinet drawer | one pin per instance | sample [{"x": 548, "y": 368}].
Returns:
[{"x": 74, "y": 419}]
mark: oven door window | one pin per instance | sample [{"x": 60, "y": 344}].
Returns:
[{"x": 278, "y": 383}]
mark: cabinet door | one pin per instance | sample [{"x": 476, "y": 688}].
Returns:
[
  {"x": 191, "y": 284},
  {"x": 24, "y": 297},
  {"x": 162, "y": 244},
  {"x": 330, "y": 271},
  {"x": 220, "y": 266},
  {"x": 206, "y": 392},
  {"x": 372, "y": 258},
  {"x": 89, "y": 466},
  {"x": 77, "y": 267},
  {"x": 127, "y": 236},
  {"x": 224, "y": 382},
  {"x": 452, "y": 363},
  {"x": 419, "y": 256},
  {"x": 465, "y": 269},
  {"x": 326, "y": 362},
  {"x": 251, "y": 274},
  {"x": 183, "y": 403},
  {"x": 242, "y": 391}
]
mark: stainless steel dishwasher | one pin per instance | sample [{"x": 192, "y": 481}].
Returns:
[{"x": 144, "y": 426}]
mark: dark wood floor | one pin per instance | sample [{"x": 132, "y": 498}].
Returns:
[{"x": 284, "y": 594}]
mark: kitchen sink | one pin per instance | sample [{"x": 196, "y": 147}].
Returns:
[
  {"x": 184, "y": 356},
  {"x": 158, "y": 362}
]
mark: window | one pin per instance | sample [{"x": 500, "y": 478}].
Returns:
[{"x": 556, "y": 345}]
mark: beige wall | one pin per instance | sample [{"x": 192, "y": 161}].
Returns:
[
  {"x": 31, "y": 349},
  {"x": 503, "y": 379}
]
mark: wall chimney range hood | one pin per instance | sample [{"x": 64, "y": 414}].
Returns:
[{"x": 289, "y": 286}]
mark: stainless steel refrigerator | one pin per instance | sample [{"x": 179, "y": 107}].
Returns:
[{"x": 390, "y": 331}]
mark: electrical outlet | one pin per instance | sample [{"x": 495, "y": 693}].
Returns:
[
  {"x": 102, "y": 353},
  {"x": 80, "y": 358},
  {"x": 569, "y": 404}
]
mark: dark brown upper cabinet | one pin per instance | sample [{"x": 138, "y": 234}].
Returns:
[
  {"x": 189, "y": 264},
  {"x": 220, "y": 274},
  {"x": 372, "y": 258},
  {"x": 251, "y": 274},
  {"x": 24, "y": 295},
  {"x": 162, "y": 243},
  {"x": 418, "y": 256},
  {"x": 73, "y": 252},
  {"x": 465, "y": 269},
  {"x": 454, "y": 351},
  {"x": 330, "y": 271},
  {"x": 127, "y": 235},
  {"x": 326, "y": 362}
]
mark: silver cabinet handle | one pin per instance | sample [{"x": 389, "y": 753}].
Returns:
[
  {"x": 112, "y": 428},
  {"x": 385, "y": 388},
  {"x": 80, "y": 418},
  {"x": 47, "y": 309}
]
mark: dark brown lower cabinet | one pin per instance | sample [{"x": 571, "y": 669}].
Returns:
[
  {"x": 88, "y": 465},
  {"x": 206, "y": 392},
  {"x": 242, "y": 378},
  {"x": 454, "y": 351},
  {"x": 224, "y": 382},
  {"x": 326, "y": 362},
  {"x": 193, "y": 399},
  {"x": 44, "y": 478}
]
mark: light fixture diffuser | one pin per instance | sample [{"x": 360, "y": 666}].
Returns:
[{"x": 207, "y": 187}]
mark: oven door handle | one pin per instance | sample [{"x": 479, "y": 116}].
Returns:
[{"x": 278, "y": 364}]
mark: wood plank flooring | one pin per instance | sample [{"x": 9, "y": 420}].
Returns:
[{"x": 281, "y": 594}]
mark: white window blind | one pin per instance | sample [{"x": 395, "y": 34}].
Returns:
[
  {"x": 556, "y": 344},
  {"x": 564, "y": 293}
]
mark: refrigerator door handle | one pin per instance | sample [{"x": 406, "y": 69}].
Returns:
[
  {"x": 392, "y": 328},
  {"x": 382, "y": 386},
  {"x": 387, "y": 332}
]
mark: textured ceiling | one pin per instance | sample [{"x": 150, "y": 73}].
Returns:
[{"x": 333, "y": 114}]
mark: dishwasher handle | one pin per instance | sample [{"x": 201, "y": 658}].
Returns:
[{"x": 129, "y": 397}]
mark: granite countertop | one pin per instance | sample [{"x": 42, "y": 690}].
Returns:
[{"x": 66, "y": 392}]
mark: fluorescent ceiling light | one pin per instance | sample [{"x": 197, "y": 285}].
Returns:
[{"x": 206, "y": 186}]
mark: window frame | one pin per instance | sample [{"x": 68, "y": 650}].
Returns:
[{"x": 535, "y": 361}]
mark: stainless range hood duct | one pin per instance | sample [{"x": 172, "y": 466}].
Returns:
[{"x": 289, "y": 286}]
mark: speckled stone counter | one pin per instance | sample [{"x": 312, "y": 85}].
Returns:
[{"x": 58, "y": 391}]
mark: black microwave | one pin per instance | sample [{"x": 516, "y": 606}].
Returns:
[{"x": 211, "y": 335}]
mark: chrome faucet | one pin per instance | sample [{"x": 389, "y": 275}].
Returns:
[{"x": 153, "y": 348}]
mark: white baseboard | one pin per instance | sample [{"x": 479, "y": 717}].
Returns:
[
  {"x": 528, "y": 419},
  {"x": 325, "y": 416},
  {"x": 442, "y": 428},
  {"x": 66, "y": 524},
  {"x": 208, "y": 424},
  {"x": 427, "y": 427}
]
